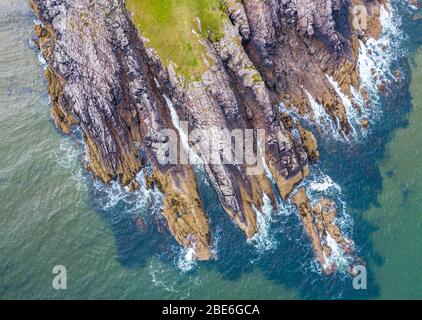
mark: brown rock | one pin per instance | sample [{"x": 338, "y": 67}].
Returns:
[
  {"x": 133, "y": 186},
  {"x": 310, "y": 143},
  {"x": 397, "y": 74}
]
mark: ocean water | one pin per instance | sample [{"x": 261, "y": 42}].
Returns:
[{"x": 53, "y": 213}]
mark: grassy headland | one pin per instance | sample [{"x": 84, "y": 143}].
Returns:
[{"x": 175, "y": 29}]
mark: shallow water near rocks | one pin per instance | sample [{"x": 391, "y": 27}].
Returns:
[{"x": 52, "y": 213}]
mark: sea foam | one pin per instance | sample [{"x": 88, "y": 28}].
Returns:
[
  {"x": 264, "y": 240},
  {"x": 376, "y": 57},
  {"x": 186, "y": 259}
]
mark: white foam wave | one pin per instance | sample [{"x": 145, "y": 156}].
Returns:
[
  {"x": 320, "y": 185},
  {"x": 42, "y": 61},
  {"x": 264, "y": 240},
  {"x": 292, "y": 112},
  {"x": 41, "y": 58},
  {"x": 322, "y": 118},
  {"x": 158, "y": 274},
  {"x": 144, "y": 201},
  {"x": 285, "y": 208},
  {"x": 337, "y": 257},
  {"x": 68, "y": 156},
  {"x": 141, "y": 202},
  {"x": 186, "y": 260},
  {"x": 352, "y": 114},
  {"x": 376, "y": 57}
]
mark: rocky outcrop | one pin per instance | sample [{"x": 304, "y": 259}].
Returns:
[
  {"x": 101, "y": 79},
  {"x": 105, "y": 79},
  {"x": 320, "y": 224}
]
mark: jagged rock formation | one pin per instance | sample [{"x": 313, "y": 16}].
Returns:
[
  {"x": 100, "y": 78},
  {"x": 104, "y": 78},
  {"x": 319, "y": 223}
]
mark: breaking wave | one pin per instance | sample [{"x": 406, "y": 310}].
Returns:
[
  {"x": 323, "y": 119},
  {"x": 68, "y": 156},
  {"x": 320, "y": 185},
  {"x": 376, "y": 58},
  {"x": 143, "y": 202},
  {"x": 186, "y": 259},
  {"x": 375, "y": 61},
  {"x": 264, "y": 240},
  {"x": 352, "y": 114}
]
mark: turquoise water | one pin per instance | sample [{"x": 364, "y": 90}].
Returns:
[
  {"x": 397, "y": 213},
  {"x": 52, "y": 213}
]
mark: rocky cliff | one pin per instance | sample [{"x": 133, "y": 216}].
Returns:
[{"x": 119, "y": 84}]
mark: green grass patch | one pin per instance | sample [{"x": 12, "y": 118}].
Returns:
[
  {"x": 257, "y": 78},
  {"x": 168, "y": 24}
]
